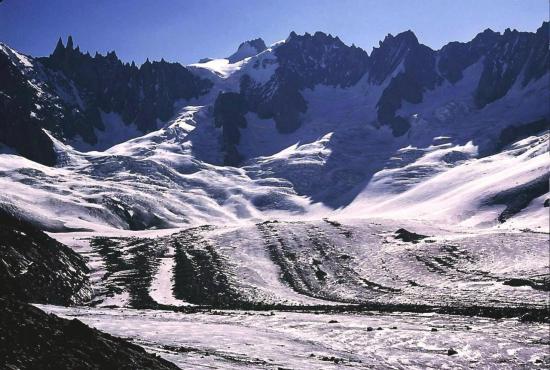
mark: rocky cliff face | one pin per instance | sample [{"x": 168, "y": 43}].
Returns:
[
  {"x": 514, "y": 57},
  {"x": 247, "y": 49},
  {"x": 303, "y": 62},
  {"x": 141, "y": 95},
  {"x": 37, "y": 268},
  {"x": 401, "y": 66},
  {"x": 229, "y": 110},
  {"x": 67, "y": 92}
]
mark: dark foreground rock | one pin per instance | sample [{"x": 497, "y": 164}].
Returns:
[
  {"x": 32, "y": 339},
  {"x": 36, "y": 268}
]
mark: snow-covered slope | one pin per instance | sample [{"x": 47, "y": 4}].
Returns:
[
  {"x": 343, "y": 153},
  {"x": 150, "y": 182}
]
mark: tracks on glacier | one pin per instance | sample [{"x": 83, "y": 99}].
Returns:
[{"x": 351, "y": 268}]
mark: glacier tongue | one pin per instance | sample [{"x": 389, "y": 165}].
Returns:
[
  {"x": 334, "y": 161},
  {"x": 458, "y": 163}
]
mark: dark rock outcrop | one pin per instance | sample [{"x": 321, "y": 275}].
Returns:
[
  {"x": 32, "y": 339},
  {"x": 517, "y": 132},
  {"x": 141, "y": 95},
  {"x": 505, "y": 61},
  {"x": 229, "y": 111},
  {"x": 455, "y": 57},
  {"x": 517, "y": 198},
  {"x": 304, "y": 61},
  {"x": 537, "y": 282},
  {"x": 37, "y": 268},
  {"x": 409, "y": 236},
  {"x": 247, "y": 49},
  {"x": 21, "y": 122},
  {"x": 66, "y": 93},
  {"x": 418, "y": 74},
  {"x": 405, "y": 68}
]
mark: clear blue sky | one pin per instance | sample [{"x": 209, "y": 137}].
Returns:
[{"x": 187, "y": 30}]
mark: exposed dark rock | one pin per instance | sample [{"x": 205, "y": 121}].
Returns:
[
  {"x": 304, "y": 61},
  {"x": 408, "y": 67},
  {"x": 451, "y": 352},
  {"x": 199, "y": 274},
  {"x": 539, "y": 283},
  {"x": 454, "y": 157},
  {"x": 76, "y": 87},
  {"x": 512, "y": 134},
  {"x": 66, "y": 92},
  {"x": 19, "y": 129},
  {"x": 37, "y": 268},
  {"x": 32, "y": 339},
  {"x": 229, "y": 111},
  {"x": 248, "y": 49},
  {"x": 504, "y": 62},
  {"x": 539, "y": 60},
  {"x": 409, "y": 236},
  {"x": 519, "y": 197},
  {"x": 320, "y": 274},
  {"x": 504, "y": 57},
  {"x": 419, "y": 74},
  {"x": 140, "y": 95},
  {"x": 457, "y": 56},
  {"x": 133, "y": 271}
]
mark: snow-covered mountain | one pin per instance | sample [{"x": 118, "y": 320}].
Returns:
[
  {"x": 304, "y": 128},
  {"x": 404, "y": 189}
]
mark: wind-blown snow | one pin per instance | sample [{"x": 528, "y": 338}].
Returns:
[{"x": 455, "y": 195}]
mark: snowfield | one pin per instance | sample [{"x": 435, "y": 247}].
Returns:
[
  {"x": 159, "y": 180},
  {"x": 290, "y": 340}
]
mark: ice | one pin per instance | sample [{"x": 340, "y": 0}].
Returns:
[{"x": 241, "y": 339}]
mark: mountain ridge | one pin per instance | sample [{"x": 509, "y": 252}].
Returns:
[
  {"x": 81, "y": 117},
  {"x": 274, "y": 126}
]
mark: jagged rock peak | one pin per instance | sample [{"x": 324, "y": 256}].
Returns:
[
  {"x": 248, "y": 49},
  {"x": 408, "y": 36},
  {"x": 258, "y": 44},
  {"x": 317, "y": 36},
  {"x": 487, "y": 37},
  {"x": 404, "y": 38},
  {"x": 70, "y": 43},
  {"x": 59, "y": 45},
  {"x": 323, "y": 40},
  {"x": 61, "y": 49}
]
